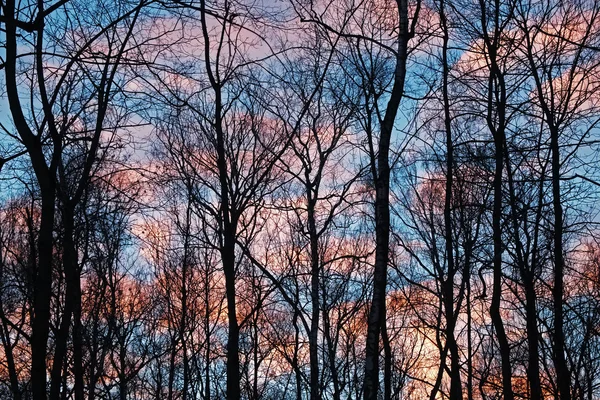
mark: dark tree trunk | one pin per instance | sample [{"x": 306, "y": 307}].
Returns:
[
  {"x": 228, "y": 223},
  {"x": 233, "y": 338},
  {"x": 497, "y": 266},
  {"x": 331, "y": 354},
  {"x": 496, "y": 121},
  {"x": 315, "y": 301},
  {"x": 448, "y": 284},
  {"x": 46, "y": 178},
  {"x": 10, "y": 360},
  {"x": 562, "y": 370},
  {"x": 381, "y": 178}
]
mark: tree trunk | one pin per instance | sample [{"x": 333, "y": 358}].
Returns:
[
  {"x": 496, "y": 121},
  {"x": 46, "y": 178},
  {"x": 233, "y": 338},
  {"x": 10, "y": 360},
  {"x": 314, "y": 280},
  {"x": 448, "y": 284},
  {"x": 497, "y": 284},
  {"x": 562, "y": 370},
  {"x": 381, "y": 178}
]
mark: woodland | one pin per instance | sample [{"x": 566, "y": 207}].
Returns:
[{"x": 299, "y": 199}]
